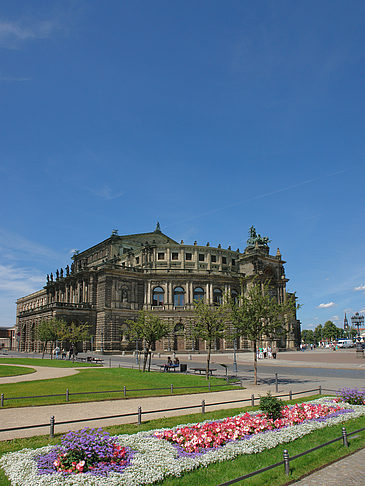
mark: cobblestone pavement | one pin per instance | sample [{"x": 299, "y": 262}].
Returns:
[{"x": 346, "y": 472}]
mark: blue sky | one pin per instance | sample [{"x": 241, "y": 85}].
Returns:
[{"x": 207, "y": 116}]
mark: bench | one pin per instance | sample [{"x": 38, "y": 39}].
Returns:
[
  {"x": 89, "y": 359},
  {"x": 168, "y": 367},
  {"x": 204, "y": 370}
]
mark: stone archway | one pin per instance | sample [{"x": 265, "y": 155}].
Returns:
[{"x": 179, "y": 337}]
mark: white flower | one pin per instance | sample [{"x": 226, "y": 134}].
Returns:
[{"x": 156, "y": 459}]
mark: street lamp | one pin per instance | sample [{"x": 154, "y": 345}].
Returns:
[
  {"x": 102, "y": 343},
  {"x": 234, "y": 355},
  {"x": 358, "y": 321}
]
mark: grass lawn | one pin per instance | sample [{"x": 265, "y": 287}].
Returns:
[
  {"x": 51, "y": 363},
  {"x": 14, "y": 370},
  {"x": 105, "y": 379},
  {"x": 221, "y": 472}
]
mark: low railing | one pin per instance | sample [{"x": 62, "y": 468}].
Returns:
[
  {"x": 123, "y": 391},
  {"x": 203, "y": 405},
  {"x": 287, "y": 459}
]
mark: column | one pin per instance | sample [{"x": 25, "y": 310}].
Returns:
[
  {"x": 187, "y": 293},
  {"x": 169, "y": 295}
]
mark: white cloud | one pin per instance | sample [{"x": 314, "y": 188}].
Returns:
[
  {"x": 18, "y": 281},
  {"x": 335, "y": 318},
  {"x": 360, "y": 287},
  {"x": 13, "y": 33},
  {"x": 325, "y": 306},
  {"x": 106, "y": 192},
  {"x": 12, "y": 79},
  {"x": 15, "y": 247}
]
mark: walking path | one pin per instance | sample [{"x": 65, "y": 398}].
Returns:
[
  {"x": 346, "y": 472},
  {"x": 41, "y": 373}
]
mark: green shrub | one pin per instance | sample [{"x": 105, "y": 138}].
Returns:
[{"x": 271, "y": 406}]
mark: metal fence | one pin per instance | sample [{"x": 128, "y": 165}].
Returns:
[
  {"x": 287, "y": 459},
  {"x": 139, "y": 413},
  {"x": 123, "y": 391}
]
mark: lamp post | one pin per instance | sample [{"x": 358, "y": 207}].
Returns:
[
  {"x": 235, "y": 355},
  {"x": 358, "y": 321},
  {"x": 102, "y": 343}
]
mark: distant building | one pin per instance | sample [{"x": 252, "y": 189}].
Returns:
[
  {"x": 110, "y": 282},
  {"x": 7, "y": 338}
]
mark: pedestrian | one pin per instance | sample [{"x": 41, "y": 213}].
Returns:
[
  {"x": 265, "y": 351},
  {"x": 70, "y": 352},
  {"x": 63, "y": 353},
  {"x": 56, "y": 351}
]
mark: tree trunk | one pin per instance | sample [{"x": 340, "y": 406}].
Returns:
[
  {"x": 255, "y": 362},
  {"x": 208, "y": 362},
  {"x": 145, "y": 360},
  {"x": 149, "y": 361},
  {"x": 44, "y": 349}
]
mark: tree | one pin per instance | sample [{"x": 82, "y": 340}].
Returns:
[
  {"x": 258, "y": 316},
  {"x": 330, "y": 331},
  {"x": 73, "y": 333},
  {"x": 209, "y": 325},
  {"x": 150, "y": 329},
  {"x": 48, "y": 331},
  {"x": 308, "y": 336},
  {"x": 318, "y": 333}
]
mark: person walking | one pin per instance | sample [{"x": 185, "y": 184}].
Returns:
[{"x": 56, "y": 351}]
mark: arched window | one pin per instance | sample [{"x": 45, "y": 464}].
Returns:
[
  {"x": 158, "y": 294},
  {"x": 217, "y": 296},
  {"x": 234, "y": 296},
  {"x": 198, "y": 294},
  {"x": 179, "y": 296}
]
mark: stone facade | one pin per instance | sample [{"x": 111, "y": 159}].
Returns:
[{"x": 110, "y": 282}]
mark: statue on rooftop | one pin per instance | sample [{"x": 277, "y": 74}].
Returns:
[
  {"x": 256, "y": 239},
  {"x": 67, "y": 270},
  {"x": 158, "y": 228}
]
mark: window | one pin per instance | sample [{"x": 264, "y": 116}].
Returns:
[
  {"x": 174, "y": 256},
  {"x": 213, "y": 258},
  {"x": 217, "y": 296},
  {"x": 224, "y": 260},
  {"x": 160, "y": 256},
  {"x": 188, "y": 256},
  {"x": 234, "y": 295},
  {"x": 137, "y": 260},
  {"x": 201, "y": 257},
  {"x": 179, "y": 296},
  {"x": 233, "y": 262},
  {"x": 158, "y": 296},
  {"x": 198, "y": 294}
]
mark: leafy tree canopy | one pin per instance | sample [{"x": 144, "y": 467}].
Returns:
[{"x": 149, "y": 328}]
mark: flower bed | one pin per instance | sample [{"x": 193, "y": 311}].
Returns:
[
  {"x": 151, "y": 456},
  {"x": 199, "y": 437}
]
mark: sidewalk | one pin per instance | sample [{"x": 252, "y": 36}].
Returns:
[
  {"x": 346, "y": 472},
  {"x": 15, "y": 417}
]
